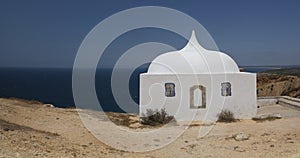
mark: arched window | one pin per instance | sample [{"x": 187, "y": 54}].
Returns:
[{"x": 197, "y": 97}]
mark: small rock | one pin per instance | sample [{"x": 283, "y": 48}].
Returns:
[
  {"x": 229, "y": 137},
  {"x": 276, "y": 116},
  {"x": 254, "y": 147},
  {"x": 208, "y": 123},
  {"x": 254, "y": 143},
  {"x": 237, "y": 148},
  {"x": 84, "y": 145},
  {"x": 135, "y": 125},
  {"x": 272, "y": 145},
  {"x": 265, "y": 134},
  {"x": 267, "y": 117},
  {"x": 273, "y": 140},
  {"x": 192, "y": 146},
  {"x": 2, "y": 137},
  {"x": 49, "y": 105},
  {"x": 35, "y": 145},
  {"x": 133, "y": 119},
  {"x": 241, "y": 136},
  {"x": 156, "y": 140},
  {"x": 290, "y": 141}
]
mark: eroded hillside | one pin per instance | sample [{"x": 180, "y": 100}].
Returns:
[{"x": 283, "y": 82}]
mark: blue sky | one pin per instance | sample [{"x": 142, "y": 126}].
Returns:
[{"x": 49, "y": 33}]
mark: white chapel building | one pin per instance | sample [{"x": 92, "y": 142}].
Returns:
[{"x": 197, "y": 84}]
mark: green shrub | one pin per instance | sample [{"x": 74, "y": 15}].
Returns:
[
  {"x": 226, "y": 116},
  {"x": 155, "y": 117}
]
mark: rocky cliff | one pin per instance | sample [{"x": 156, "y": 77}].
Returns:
[{"x": 281, "y": 82}]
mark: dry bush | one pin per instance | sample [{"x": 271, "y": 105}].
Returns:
[
  {"x": 226, "y": 116},
  {"x": 155, "y": 117}
]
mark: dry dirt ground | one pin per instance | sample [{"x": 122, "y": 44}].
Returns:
[{"x": 29, "y": 129}]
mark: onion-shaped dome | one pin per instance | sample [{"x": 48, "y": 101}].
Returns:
[{"x": 193, "y": 58}]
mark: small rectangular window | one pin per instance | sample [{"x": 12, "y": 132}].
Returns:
[
  {"x": 169, "y": 89},
  {"x": 226, "y": 89}
]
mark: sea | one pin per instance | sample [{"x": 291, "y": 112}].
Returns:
[{"x": 54, "y": 85}]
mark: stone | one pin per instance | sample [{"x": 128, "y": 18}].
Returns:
[
  {"x": 2, "y": 137},
  {"x": 276, "y": 116},
  {"x": 84, "y": 145},
  {"x": 289, "y": 141},
  {"x": 49, "y": 105},
  {"x": 192, "y": 146},
  {"x": 239, "y": 149},
  {"x": 156, "y": 140},
  {"x": 267, "y": 117},
  {"x": 133, "y": 119},
  {"x": 135, "y": 125},
  {"x": 265, "y": 134},
  {"x": 241, "y": 137}
]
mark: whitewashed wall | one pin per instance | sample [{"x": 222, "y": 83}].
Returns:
[{"x": 242, "y": 102}]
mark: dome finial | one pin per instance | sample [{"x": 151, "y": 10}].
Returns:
[
  {"x": 193, "y": 43},
  {"x": 193, "y": 39}
]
